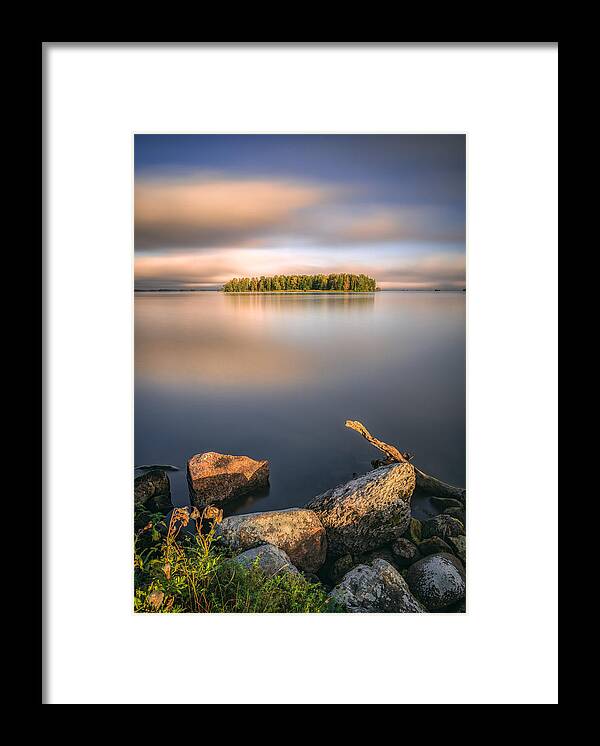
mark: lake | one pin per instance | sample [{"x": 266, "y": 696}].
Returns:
[{"x": 275, "y": 376}]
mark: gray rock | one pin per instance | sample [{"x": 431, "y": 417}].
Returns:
[
  {"x": 458, "y": 513},
  {"x": 152, "y": 490},
  {"x": 367, "y": 512},
  {"x": 458, "y": 544},
  {"x": 443, "y": 526},
  {"x": 438, "y": 581},
  {"x": 270, "y": 559},
  {"x": 378, "y": 587},
  {"x": 405, "y": 552},
  {"x": 298, "y": 532},
  {"x": 434, "y": 545}
]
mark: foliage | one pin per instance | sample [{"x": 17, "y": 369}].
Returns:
[
  {"x": 346, "y": 283},
  {"x": 177, "y": 572}
]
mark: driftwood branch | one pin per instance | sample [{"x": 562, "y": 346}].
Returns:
[
  {"x": 425, "y": 483},
  {"x": 393, "y": 454}
]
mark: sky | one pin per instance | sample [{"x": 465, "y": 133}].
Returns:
[{"x": 212, "y": 207}]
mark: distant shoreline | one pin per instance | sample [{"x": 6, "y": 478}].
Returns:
[{"x": 301, "y": 292}]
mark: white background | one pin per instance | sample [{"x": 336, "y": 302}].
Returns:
[{"x": 503, "y": 651}]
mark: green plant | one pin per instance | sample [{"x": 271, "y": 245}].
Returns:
[{"x": 178, "y": 573}]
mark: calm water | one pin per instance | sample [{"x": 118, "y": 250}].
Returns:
[{"x": 276, "y": 376}]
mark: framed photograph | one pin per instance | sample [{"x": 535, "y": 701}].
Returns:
[
  {"x": 286, "y": 286},
  {"x": 301, "y": 306}
]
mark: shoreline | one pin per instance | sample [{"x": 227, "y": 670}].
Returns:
[
  {"x": 298, "y": 292},
  {"x": 355, "y": 548}
]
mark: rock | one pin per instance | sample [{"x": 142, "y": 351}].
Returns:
[
  {"x": 458, "y": 608},
  {"x": 367, "y": 512},
  {"x": 155, "y": 599},
  {"x": 153, "y": 491},
  {"x": 217, "y": 477},
  {"x": 458, "y": 544},
  {"x": 270, "y": 559},
  {"x": 405, "y": 552},
  {"x": 438, "y": 581},
  {"x": 366, "y": 558},
  {"x": 434, "y": 545},
  {"x": 443, "y": 526},
  {"x": 414, "y": 531},
  {"x": 458, "y": 513},
  {"x": 334, "y": 569},
  {"x": 443, "y": 503},
  {"x": 311, "y": 578},
  {"x": 377, "y": 587},
  {"x": 298, "y": 532}
]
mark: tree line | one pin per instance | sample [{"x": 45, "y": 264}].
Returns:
[{"x": 346, "y": 283}]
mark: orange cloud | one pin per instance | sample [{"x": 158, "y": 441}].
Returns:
[
  {"x": 388, "y": 224},
  {"x": 210, "y": 211}
]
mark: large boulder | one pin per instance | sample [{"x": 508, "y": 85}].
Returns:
[
  {"x": 367, "y": 512},
  {"x": 377, "y": 587},
  {"x": 437, "y": 581},
  {"x": 152, "y": 490},
  {"x": 298, "y": 532},
  {"x": 268, "y": 558},
  {"x": 215, "y": 478}
]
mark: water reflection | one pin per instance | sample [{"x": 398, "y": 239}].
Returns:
[
  {"x": 276, "y": 376},
  {"x": 297, "y": 302}
]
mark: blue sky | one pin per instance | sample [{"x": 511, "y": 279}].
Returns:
[{"x": 210, "y": 207}]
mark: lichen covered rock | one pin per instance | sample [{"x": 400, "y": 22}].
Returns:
[
  {"x": 215, "y": 478},
  {"x": 458, "y": 544},
  {"x": 443, "y": 526},
  {"x": 367, "y": 512},
  {"x": 298, "y": 532},
  {"x": 438, "y": 581},
  {"x": 377, "y": 587},
  {"x": 405, "y": 552}
]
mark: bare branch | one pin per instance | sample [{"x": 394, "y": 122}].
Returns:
[{"x": 425, "y": 483}]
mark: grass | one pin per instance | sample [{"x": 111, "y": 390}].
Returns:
[{"x": 182, "y": 573}]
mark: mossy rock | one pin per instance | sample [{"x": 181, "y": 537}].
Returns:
[
  {"x": 414, "y": 531},
  {"x": 434, "y": 545},
  {"x": 443, "y": 526}
]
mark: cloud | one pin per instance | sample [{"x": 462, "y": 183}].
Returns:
[
  {"x": 392, "y": 224},
  {"x": 408, "y": 269},
  {"x": 439, "y": 270},
  {"x": 208, "y": 210}
]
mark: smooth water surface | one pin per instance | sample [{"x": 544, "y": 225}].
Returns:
[{"x": 276, "y": 376}]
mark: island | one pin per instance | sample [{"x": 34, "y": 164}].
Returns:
[{"x": 332, "y": 283}]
